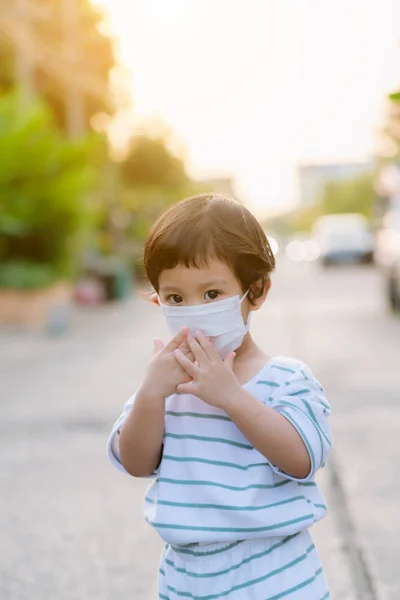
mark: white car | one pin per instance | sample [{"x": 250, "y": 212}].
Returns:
[{"x": 344, "y": 238}]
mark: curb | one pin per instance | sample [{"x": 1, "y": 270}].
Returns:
[{"x": 366, "y": 580}]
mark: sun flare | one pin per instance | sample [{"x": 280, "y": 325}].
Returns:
[{"x": 254, "y": 91}]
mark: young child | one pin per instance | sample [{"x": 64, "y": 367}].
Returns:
[{"x": 232, "y": 438}]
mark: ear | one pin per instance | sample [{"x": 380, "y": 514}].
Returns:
[
  {"x": 258, "y": 302},
  {"x": 150, "y": 296}
]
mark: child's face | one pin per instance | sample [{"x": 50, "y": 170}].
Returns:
[{"x": 189, "y": 286}]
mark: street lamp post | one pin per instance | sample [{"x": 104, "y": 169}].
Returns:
[
  {"x": 75, "y": 99},
  {"x": 24, "y": 65}
]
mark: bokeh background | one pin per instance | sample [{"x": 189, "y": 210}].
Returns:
[{"x": 111, "y": 111}]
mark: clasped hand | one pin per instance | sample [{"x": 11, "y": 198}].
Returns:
[
  {"x": 190, "y": 365},
  {"x": 212, "y": 379}
]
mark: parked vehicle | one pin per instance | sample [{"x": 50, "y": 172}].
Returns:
[
  {"x": 387, "y": 255},
  {"x": 344, "y": 238}
]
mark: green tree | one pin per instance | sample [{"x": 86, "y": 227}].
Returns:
[
  {"x": 352, "y": 196},
  {"x": 153, "y": 178},
  {"x": 45, "y": 181},
  {"x": 149, "y": 179},
  {"x": 149, "y": 162},
  {"x": 392, "y": 126}
]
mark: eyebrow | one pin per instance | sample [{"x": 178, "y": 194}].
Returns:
[
  {"x": 208, "y": 284},
  {"x": 213, "y": 283},
  {"x": 169, "y": 288}
]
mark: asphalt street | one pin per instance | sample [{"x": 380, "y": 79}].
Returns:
[{"x": 72, "y": 527}]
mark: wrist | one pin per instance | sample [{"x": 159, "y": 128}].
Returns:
[
  {"x": 233, "y": 399},
  {"x": 150, "y": 395}
]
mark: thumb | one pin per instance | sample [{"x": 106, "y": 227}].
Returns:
[
  {"x": 229, "y": 360},
  {"x": 158, "y": 345}
]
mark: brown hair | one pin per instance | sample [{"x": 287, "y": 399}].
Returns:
[{"x": 210, "y": 226}]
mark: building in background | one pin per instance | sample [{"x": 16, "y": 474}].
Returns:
[{"x": 314, "y": 177}]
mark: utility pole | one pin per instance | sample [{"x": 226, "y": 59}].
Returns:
[
  {"x": 75, "y": 99},
  {"x": 24, "y": 65}
]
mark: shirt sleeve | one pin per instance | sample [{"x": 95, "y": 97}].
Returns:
[
  {"x": 113, "y": 441},
  {"x": 304, "y": 405}
]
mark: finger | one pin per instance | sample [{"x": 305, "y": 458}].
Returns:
[
  {"x": 187, "y": 388},
  {"x": 186, "y": 364},
  {"x": 184, "y": 348},
  {"x": 207, "y": 347},
  {"x": 229, "y": 360},
  {"x": 176, "y": 340},
  {"x": 158, "y": 345},
  {"x": 198, "y": 352}
]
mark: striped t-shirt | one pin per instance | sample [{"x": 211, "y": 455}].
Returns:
[{"x": 212, "y": 485}]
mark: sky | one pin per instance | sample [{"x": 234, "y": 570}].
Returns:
[{"x": 252, "y": 88}]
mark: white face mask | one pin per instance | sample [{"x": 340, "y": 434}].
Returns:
[{"x": 222, "y": 321}]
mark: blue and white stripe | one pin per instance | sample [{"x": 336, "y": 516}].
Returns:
[
  {"x": 214, "y": 488},
  {"x": 261, "y": 569}
]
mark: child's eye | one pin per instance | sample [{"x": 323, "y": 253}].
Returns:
[
  {"x": 211, "y": 294},
  {"x": 174, "y": 299}
]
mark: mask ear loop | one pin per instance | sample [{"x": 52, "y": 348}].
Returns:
[
  {"x": 247, "y": 324},
  {"x": 244, "y": 296}
]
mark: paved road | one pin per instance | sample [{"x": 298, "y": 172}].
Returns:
[{"x": 72, "y": 528}]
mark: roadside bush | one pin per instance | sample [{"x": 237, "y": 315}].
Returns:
[{"x": 45, "y": 186}]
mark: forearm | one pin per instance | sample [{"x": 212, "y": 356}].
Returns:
[
  {"x": 141, "y": 436},
  {"x": 270, "y": 433}
]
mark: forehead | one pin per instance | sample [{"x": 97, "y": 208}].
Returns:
[{"x": 192, "y": 277}]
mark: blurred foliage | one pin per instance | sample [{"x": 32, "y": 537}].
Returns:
[
  {"x": 299, "y": 220},
  {"x": 27, "y": 275},
  {"x": 148, "y": 180},
  {"x": 395, "y": 97},
  {"x": 45, "y": 180},
  {"x": 149, "y": 162},
  {"x": 50, "y": 195},
  {"x": 49, "y": 39},
  {"x": 302, "y": 220},
  {"x": 391, "y": 129},
  {"x": 353, "y": 196}
]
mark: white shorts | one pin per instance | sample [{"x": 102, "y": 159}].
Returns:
[{"x": 258, "y": 569}]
